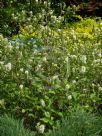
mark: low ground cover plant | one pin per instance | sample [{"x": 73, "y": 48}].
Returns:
[
  {"x": 79, "y": 123},
  {"x": 11, "y": 127},
  {"x": 76, "y": 123}
]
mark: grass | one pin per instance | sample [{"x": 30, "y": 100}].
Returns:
[{"x": 11, "y": 127}]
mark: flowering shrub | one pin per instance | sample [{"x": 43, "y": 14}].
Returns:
[
  {"x": 46, "y": 72},
  {"x": 16, "y": 13}
]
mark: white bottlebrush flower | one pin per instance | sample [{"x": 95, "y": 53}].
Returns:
[
  {"x": 73, "y": 70},
  {"x": 53, "y": 18},
  {"x": 23, "y": 11},
  {"x": 83, "y": 69},
  {"x": 38, "y": 124},
  {"x": 1, "y": 37},
  {"x": 36, "y": 1},
  {"x": 21, "y": 86},
  {"x": 83, "y": 58},
  {"x": 8, "y": 66},
  {"x": 67, "y": 59},
  {"x": 21, "y": 69},
  {"x": 39, "y": 66},
  {"x": 100, "y": 88},
  {"x": 100, "y": 54},
  {"x": 17, "y": 74},
  {"x": 26, "y": 72},
  {"x": 55, "y": 77},
  {"x": 10, "y": 46},
  {"x": 74, "y": 81},
  {"x": 73, "y": 56},
  {"x": 59, "y": 30},
  {"x": 85, "y": 35},
  {"x": 40, "y": 128},
  {"x": 45, "y": 3},
  {"x": 97, "y": 61},
  {"x": 50, "y": 12},
  {"x": 20, "y": 53},
  {"x": 42, "y": 27},
  {"x": 29, "y": 19},
  {"x": 40, "y": 16},
  {"x": 1, "y": 62},
  {"x": 31, "y": 60},
  {"x": 54, "y": 64},
  {"x": 31, "y": 13},
  {"x": 100, "y": 23},
  {"x": 93, "y": 85},
  {"x": 69, "y": 97},
  {"x": 2, "y": 102},
  {"x": 72, "y": 32},
  {"x": 74, "y": 37},
  {"x": 58, "y": 21},
  {"x": 6, "y": 40},
  {"x": 15, "y": 18},
  {"x": 44, "y": 59},
  {"x": 59, "y": 17},
  {"x": 67, "y": 86},
  {"x": 12, "y": 15},
  {"x": 17, "y": 46},
  {"x": 42, "y": 102}
]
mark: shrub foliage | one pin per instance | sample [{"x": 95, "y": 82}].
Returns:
[{"x": 46, "y": 72}]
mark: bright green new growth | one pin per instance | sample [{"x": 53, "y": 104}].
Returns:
[
  {"x": 79, "y": 123},
  {"x": 11, "y": 127}
]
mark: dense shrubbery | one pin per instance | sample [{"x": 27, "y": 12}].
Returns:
[
  {"x": 48, "y": 71},
  {"x": 15, "y": 13},
  {"x": 49, "y": 67}
]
